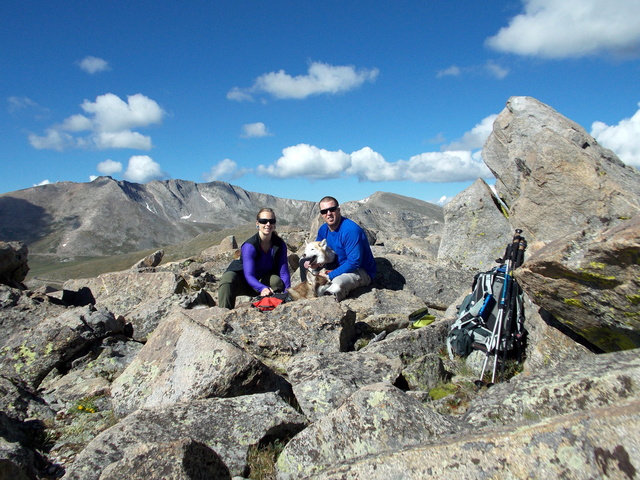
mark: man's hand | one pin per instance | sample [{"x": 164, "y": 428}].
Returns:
[{"x": 265, "y": 292}]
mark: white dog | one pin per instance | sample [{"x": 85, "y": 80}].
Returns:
[{"x": 316, "y": 284}]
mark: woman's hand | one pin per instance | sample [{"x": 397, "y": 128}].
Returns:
[{"x": 265, "y": 292}]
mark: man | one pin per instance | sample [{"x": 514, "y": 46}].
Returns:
[{"x": 354, "y": 265}]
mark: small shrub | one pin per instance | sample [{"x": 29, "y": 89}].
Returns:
[{"x": 262, "y": 460}]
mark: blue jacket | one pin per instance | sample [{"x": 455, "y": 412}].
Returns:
[{"x": 351, "y": 246}]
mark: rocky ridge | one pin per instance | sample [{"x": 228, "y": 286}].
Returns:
[
  {"x": 105, "y": 217},
  {"x": 138, "y": 374}
]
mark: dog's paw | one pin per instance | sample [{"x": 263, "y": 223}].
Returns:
[{"x": 322, "y": 290}]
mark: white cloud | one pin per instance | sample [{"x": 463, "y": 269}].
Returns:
[
  {"x": 321, "y": 78},
  {"x": 76, "y": 123},
  {"x": 53, "y": 140},
  {"x": 255, "y": 130},
  {"x": 239, "y": 95},
  {"x": 495, "y": 70},
  {"x": 490, "y": 68},
  {"x": 109, "y": 121},
  {"x": 142, "y": 169},
  {"x": 452, "y": 71},
  {"x": 44, "y": 182},
  {"x": 20, "y": 103},
  {"x": 307, "y": 161},
  {"x": 122, "y": 139},
  {"x": 109, "y": 167},
  {"x": 93, "y": 65},
  {"x": 572, "y": 28},
  {"x": 27, "y": 106},
  {"x": 461, "y": 161},
  {"x": 112, "y": 114},
  {"x": 224, "y": 170},
  {"x": 623, "y": 138},
  {"x": 369, "y": 166},
  {"x": 448, "y": 166},
  {"x": 475, "y": 138}
]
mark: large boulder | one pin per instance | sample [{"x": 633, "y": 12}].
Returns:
[
  {"x": 436, "y": 284},
  {"x": 184, "y": 361},
  {"x": 382, "y": 301},
  {"x": 180, "y": 459},
  {"x": 13, "y": 263},
  {"x": 554, "y": 177},
  {"x": 319, "y": 324},
  {"x": 583, "y": 384},
  {"x": 150, "y": 261},
  {"x": 476, "y": 229},
  {"x": 121, "y": 292},
  {"x": 411, "y": 345},
  {"x": 601, "y": 443},
  {"x": 549, "y": 344},
  {"x": 227, "y": 426},
  {"x": 321, "y": 383},
  {"x": 30, "y": 356},
  {"x": 376, "y": 418},
  {"x": 590, "y": 282}
]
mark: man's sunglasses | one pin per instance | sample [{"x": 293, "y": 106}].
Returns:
[
  {"x": 264, "y": 221},
  {"x": 324, "y": 211}
]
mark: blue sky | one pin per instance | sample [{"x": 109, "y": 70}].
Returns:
[{"x": 302, "y": 99}]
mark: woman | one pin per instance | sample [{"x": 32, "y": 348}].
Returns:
[{"x": 262, "y": 268}]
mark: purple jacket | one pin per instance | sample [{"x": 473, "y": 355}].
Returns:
[{"x": 257, "y": 263}]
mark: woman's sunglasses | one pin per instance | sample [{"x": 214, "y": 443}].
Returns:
[
  {"x": 264, "y": 221},
  {"x": 324, "y": 211}
]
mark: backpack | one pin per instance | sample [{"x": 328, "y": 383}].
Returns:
[{"x": 476, "y": 326}]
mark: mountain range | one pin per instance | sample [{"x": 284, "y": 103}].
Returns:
[{"x": 67, "y": 221}]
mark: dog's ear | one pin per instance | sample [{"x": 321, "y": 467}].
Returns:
[{"x": 323, "y": 242}]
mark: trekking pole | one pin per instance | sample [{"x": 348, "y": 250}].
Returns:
[
  {"x": 510, "y": 258},
  {"x": 518, "y": 336},
  {"x": 495, "y": 334},
  {"x": 516, "y": 256},
  {"x": 503, "y": 303},
  {"x": 513, "y": 312}
]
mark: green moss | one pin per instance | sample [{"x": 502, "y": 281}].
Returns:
[
  {"x": 26, "y": 355},
  {"x": 600, "y": 280},
  {"x": 442, "y": 391},
  {"x": 531, "y": 416},
  {"x": 634, "y": 299},
  {"x": 611, "y": 339},
  {"x": 574, "y": 302}
]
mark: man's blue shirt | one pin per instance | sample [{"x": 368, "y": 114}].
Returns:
[{"x": 351, "y": 246}]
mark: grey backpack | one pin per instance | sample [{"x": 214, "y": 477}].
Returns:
[{"x": 475, "y": 325}]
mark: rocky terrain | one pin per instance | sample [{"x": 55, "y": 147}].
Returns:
[{"x": 138, "y": 374}]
